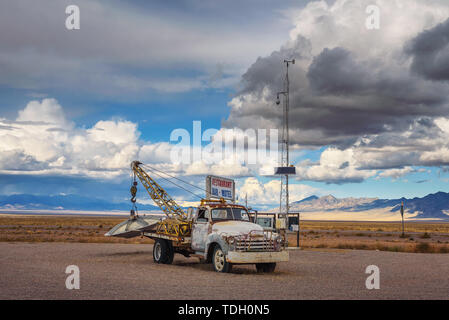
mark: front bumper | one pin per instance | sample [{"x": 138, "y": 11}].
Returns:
[{"x": 257, "y": 257}]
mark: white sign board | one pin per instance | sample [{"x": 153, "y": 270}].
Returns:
[{"x": 218, "y": 187}]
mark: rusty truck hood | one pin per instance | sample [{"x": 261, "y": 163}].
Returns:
[{"x": 235, "y": 227}]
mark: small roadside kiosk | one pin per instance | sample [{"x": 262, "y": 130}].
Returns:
[{"x": 271, "y": 221}]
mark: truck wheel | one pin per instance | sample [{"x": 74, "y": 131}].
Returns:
[
  {"x": 170, "y": 253},
  {"x": 265, "y": 267},
  {"x": 219, "y": 261},
  {"x": 163, "y": 251}
]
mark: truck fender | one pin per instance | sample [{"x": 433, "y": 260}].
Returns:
[{"x": 213, "y": 239}]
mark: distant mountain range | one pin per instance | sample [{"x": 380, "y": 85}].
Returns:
[
  {"x": 65, "y": 202},
  {"x": 432, "y": 206}
]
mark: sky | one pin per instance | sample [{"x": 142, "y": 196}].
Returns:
[{"x": 369, "y": 107}]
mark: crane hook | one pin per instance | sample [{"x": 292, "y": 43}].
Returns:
[{"x": 133, "y": 191}]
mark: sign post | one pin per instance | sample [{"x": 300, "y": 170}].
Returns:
[
  {"x": 402, "y": 215},
  {"x": 297, "y": 234}
]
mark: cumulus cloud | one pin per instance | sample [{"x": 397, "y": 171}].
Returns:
[
  {"x": 223, "y": 168},
  {"x": 388, "y": 155},
  {"x": 268, "y": 193},
  {"x": 335, "y": 166},
  {"x": 43, "y": 141},
  {"x": 52, "y": 144},
  {"x": 49, "y": 111},
  {"x": 422, "y": 144},
  {"x": 396, "y": 173},
  {"x": 349, "y": 81}
]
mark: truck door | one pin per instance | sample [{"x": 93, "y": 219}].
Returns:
[{"x": 200, "y": 230}]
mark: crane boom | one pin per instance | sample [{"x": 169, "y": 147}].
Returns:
[{"x": 158, "y": 194}]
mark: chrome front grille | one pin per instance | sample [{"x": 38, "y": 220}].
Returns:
[{"x": 257, "y": 241}]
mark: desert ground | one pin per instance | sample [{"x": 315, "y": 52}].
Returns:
[
  {"x": 330, "y": 264},
  {"x": 126, "y": 271},
  {"x": 428, "y": 237}
]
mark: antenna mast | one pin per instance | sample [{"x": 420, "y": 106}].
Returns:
[{"x": 284, "y": 169}]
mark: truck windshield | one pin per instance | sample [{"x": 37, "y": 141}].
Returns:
[{"x": 230, "y": 214}]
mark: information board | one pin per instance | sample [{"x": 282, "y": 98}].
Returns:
[{"x": 218, "y": 187}]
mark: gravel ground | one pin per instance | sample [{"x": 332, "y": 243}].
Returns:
[{"x": 126, "y": 271}]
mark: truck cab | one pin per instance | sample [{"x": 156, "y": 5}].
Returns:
[{"x": 222, "y": 233}]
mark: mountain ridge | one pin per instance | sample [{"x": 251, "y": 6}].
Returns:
[
  {"x": 66, "y": 202},
  {"x": 430, "y": 206}
]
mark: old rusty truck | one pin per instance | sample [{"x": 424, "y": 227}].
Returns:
[{"x": 217, "y": 231}]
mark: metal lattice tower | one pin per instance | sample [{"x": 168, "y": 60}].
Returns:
[{"x": 284, "y": 157}]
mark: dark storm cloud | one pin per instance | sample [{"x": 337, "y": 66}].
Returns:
[
  {"x": 335, "y": 72},
  {"x": 430, "y": 52},
  {"x": 339, "y": 98},
  {"x": 267, "y": 71},
  {"x": 133, "y": 49}
]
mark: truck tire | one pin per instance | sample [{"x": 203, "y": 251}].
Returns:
[
  {"x": 163, "y": 251},
  {"x": 266, "y": 267},
  {"x": 170, "y": 253},
  {"x": 219, "y": 261}
]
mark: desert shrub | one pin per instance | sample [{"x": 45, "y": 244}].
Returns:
[
  {"x": 444, "y": 249},
  {"x": 425, "y": 236},
  {"x": 423, "y": 247}
]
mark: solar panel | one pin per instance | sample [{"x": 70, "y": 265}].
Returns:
[{"x": 285, "y": 170}]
